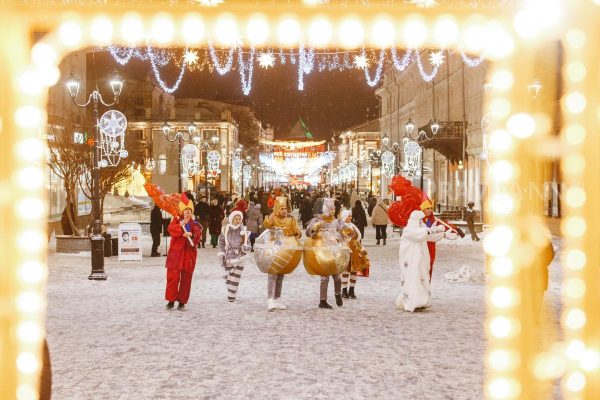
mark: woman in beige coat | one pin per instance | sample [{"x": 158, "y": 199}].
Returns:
[{"x": 380, "y": 220}]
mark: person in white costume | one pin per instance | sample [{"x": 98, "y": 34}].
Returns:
[{"x": 414, "y": 263}]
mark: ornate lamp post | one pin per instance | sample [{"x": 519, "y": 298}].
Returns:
[
  {"x": 233, "y": 155},
  {"x": 214, "y": 141},
  {"x": 411, "y": 139},
  {"x": 374, "y": 160},
  {"x": 95, "y": 100},
  {"x": 192, "y": 132}
]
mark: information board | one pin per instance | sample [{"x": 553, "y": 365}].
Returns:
[{"x": 130, "y": 242}]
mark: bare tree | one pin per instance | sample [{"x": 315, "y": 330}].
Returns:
[
  {"x": 65, "y": 160},
  {"x": 112, "y": 175}
]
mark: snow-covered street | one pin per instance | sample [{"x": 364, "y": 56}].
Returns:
[{"x": 114, "y": 339}]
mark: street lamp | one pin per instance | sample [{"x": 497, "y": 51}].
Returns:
[
  {"x": 395, "y": 147},
  {"x": 179, "y": 136},
  {"x": 434, "y": 125},
  {"x": 214, "y": 141},
  {"x": 95, "y": 99},
  {"x": 231, "y": 156}
]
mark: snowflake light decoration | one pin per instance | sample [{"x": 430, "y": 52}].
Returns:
[
  {"x": 436, "y": 59},
  {"x": 190, "y": 58},
  {"x": 266, "y": 60},
  {"x": 361, "y": 61},
  {"x": 424, "y": 3}
]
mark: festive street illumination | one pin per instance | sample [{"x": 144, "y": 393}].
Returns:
[
  {"x": 437, "y": 58},
  {"x": 190, "y": 57},
  {"x": 226, "y": 30},
  {"x": 192, "y": 29},
  {"x": 361, "y": 61},
  {"x": 289, "y": 31},
  {"x": 102, "y": 30},
  {"x": 320, "y": 32},
  {"x": 584, "y": 168},
  {"x": 258, "y": 30},
  {"x": 266, "y": 60},
  {"x": 351, "y": 33}
]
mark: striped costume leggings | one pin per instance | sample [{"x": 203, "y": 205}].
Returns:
[
  {"x": 232, "y": 277},
  {"x": 345, "y": 276}
]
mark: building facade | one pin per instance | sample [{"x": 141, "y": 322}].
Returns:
[
  {"x": 357, "y": 145},
  {"x": 453, "y": 174}
]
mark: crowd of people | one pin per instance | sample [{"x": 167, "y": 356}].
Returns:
[{"x": 319, "y": 210}]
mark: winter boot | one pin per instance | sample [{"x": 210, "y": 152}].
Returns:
[
  {"x": 323, "y": 304},
  {"x": 271, "y": 305},
  {"x": 377, "y": 242},
  {"x": 344, "y": 293},
  {"x": 181, "y": 306},
  {"x": 170, "y": 305},
  {"x": 351, "y": 293},
  {"x": 384, "y": 242},
  {"x": 338, "y": 300}
]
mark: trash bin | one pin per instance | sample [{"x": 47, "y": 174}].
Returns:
[
  {"x": 107, "y": 244},
  {"x": 115, "y": 246}
]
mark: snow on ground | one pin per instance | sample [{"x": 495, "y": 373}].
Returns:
[{"x": 114, "y": 339}]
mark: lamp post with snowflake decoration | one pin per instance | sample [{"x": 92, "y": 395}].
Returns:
[
  {"x": 212, "y": 158},
  {"x": 413, "y": 151},
  {"x": 172, "y": 135},
  {"x": 113, "y": 126}
]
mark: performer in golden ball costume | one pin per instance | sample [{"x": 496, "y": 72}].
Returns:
[
  {"x": 358, "y": 260},
  {"x": 287, "y": 259},
  {"x": 318, "y": 260}
]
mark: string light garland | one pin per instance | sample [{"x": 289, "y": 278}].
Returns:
[
  {"x": 162, "y": 84},
  {"x": 246, "y": 70},
  {"x": 222, "y": 70},
  {"x": 378, "y": 72},
  {"x": 306, "y": 59},
  {"x": 426, "y": 77}
]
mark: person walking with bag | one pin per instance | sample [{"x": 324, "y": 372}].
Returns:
[{"x": 380, "y": 221}]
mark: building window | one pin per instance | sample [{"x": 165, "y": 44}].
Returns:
[{"x": 207, "y": 134}]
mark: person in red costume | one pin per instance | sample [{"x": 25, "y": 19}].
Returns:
[
  {"x": 437, "y": 231},
  {"x": 186, "y": 233}
]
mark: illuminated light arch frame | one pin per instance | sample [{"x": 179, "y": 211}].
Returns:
[{"x": 29, "y": 71}]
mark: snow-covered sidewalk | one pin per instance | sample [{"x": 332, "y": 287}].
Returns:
[{"x": 114, "y": 339}]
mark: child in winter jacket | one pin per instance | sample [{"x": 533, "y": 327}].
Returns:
[{"x": 233, "y": 252}]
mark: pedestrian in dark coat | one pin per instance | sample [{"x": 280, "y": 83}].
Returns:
[
  {"x": 216, "y": 215},
  {"x": 306, "y": 212},
  {"x": 202, "y": 211},
  {"x": 359, "y": 217},
  {"x": 156, "y": 225},
  {"x": 471, "y": 220}
]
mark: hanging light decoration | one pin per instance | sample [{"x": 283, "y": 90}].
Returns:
[
  {"x": 412, "y": 157},
  {"x": 388, "y": 161},
  {"x": 112, "y": 126}
]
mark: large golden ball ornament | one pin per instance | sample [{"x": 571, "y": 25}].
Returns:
[
  {"x": 275, "y": 253},
  {"x": 326, "y": 253}
]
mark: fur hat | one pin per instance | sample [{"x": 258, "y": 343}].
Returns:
[{"x": 233, "y": 214}]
